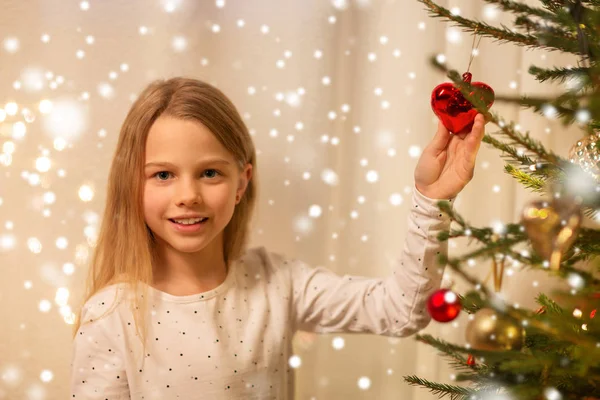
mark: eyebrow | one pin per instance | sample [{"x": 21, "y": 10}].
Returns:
[{"x": 170, "y": 165}]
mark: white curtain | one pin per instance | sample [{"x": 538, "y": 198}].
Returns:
[{"x": 336, "y": 94}]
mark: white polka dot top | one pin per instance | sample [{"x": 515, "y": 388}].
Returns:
[{"x": 235, "y": 341}]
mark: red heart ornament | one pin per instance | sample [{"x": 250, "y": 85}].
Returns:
[{"x": 457, "y": 113}]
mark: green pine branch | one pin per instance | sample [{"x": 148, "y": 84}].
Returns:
[
  {"x": 526, "y": 141},
  {"x": 586, "y": 18},
  {"x": 560, "y": 75},
  {"x": 454, "y": 354},
  {"x": 555, "y": 5},
  {"x": 480, "y": 27},
  {"x": 564, "y": 107},
  {"x": 523, "y": 163},
  {"x": 441, "y": 389},
  {"x": 504, "y": 34},
  {"x": 443, "y": 346},
  {"x": 542, "y": 29},
  {"x": 546, "y": 367},
  {"x": 506, "y": 364},
  {"x": 471, "y": 302},
  {"x": 549, "y": 304},
  {"x": 504, "y": 245},
  {"x": 521, "y": 8},
  {"x": 505, "y": 148},
  {"x": 587, "y": 244},
  {"x": 527, "y": 180}
]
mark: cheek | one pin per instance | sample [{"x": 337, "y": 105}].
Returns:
[
  {"x": 151, "y": 202},
  {"x": 219, "y": 197}
]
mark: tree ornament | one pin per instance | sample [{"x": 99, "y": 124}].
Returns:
[
  {"x": 489, "y": 330},
  {"x": 586, "y": 153},
  {"x": 457, "y": 113},
  {"x": 443, "y": 305},
  {"x": 541, "y": 310},
  {"x": 552, "y": 227},
  {"x": 498, "y": 269},
  {"x": 448, "y": 103},
  {"x": 471, "y": 360}
]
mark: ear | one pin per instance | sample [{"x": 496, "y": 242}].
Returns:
[{"x": 245, "y": 177}]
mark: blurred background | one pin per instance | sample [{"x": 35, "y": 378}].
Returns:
[{"x": 336, "y": 95}]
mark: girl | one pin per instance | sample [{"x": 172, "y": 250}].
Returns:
[{"x": 177, "y": 308}]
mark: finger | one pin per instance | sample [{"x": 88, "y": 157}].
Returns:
[
  {"x": 476, "y": 135},
  {"x": 479, "y": 124},
  {"x": 440, "y": 140}
]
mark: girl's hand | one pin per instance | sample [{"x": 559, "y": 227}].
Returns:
[{"x": 447, "y": 163}]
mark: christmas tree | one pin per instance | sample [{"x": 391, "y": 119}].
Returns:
[{"x": 510, "y": 352}]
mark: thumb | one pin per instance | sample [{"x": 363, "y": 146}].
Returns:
[{"x": 441, "y": 138}]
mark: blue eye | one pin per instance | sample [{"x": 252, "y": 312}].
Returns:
[
  {"x": 209, "y": 173},
  {"x": 214, "y": 173},
  {"x": 162, "y": 172}
]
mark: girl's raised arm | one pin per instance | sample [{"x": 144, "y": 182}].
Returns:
[{"x": 325, "y": 302}]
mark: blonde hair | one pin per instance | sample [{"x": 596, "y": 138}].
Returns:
[{"x": 125, "y": 247}]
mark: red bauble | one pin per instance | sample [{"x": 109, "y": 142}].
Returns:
[
  {"x": 471, "y": 360},
  {"x": 443, "y": 305},
  {"x": 541, "y": 310},
  {"x": 457, "y": 113}
]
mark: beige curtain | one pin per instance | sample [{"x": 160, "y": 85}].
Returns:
[{"x": 336, "y": 94}]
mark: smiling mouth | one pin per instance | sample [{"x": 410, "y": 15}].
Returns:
[{"x": 202, "y": 221}]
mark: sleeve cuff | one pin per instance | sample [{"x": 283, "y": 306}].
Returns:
[{"x": 425, "y": 205}]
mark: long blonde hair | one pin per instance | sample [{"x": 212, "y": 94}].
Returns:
[{"x": 125, "y": 247}]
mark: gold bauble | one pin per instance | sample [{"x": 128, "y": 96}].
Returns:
[
  {"x": 489, "y": 330},
  {"x": 552, "y": 227},
  {"x": 586, "y": 153}
]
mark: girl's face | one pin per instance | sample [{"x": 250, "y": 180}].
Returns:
[{"x": 188, "y": 173}]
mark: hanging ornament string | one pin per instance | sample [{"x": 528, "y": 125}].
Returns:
[
  {"x": 497, "y": 267},
  {"x": 498, "y": 271},
  {"x": 473, "y": 48}
]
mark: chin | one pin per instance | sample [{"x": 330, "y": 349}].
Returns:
[
  {"x": 192, "y": 246},
  {"x": 189, "y": 249}
]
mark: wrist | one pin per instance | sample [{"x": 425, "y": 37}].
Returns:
[
  {"x": 425, "y": 192},
  {"x": 432, "y": 194}
]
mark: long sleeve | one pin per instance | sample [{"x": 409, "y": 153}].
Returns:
[
  {"x": 395, "y": 306},
  {"x": 97, "y": 368}
]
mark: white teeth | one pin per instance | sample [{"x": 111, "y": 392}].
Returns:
[{"x": 188, "y": 221}]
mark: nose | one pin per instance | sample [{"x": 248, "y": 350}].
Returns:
[{"x": 188, "y": 192}]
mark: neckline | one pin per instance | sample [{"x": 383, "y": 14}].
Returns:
[{"x": 203, "y": 296}]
